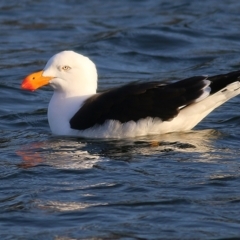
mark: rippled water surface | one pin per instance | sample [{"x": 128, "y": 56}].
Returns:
[{"x": 176, "y": 186}]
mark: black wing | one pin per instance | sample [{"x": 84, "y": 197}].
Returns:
[
  {"x": 219, "y": 82},
  {"x": 139, "y": 100}
]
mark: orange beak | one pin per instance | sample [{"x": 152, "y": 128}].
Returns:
[{"x": 35, "y": 81}]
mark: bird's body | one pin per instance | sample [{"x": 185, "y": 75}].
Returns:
[{"x": 135, "y": 109}]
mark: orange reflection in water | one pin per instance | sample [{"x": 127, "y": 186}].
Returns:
[{"x": 30, "y": 157}]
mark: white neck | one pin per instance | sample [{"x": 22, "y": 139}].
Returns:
[{"x": 61, "y": 109}]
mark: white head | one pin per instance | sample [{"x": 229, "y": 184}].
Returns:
[{"x": 67, "y": 72}]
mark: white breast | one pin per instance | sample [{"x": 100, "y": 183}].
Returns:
[{"x": 60, "y": 110}]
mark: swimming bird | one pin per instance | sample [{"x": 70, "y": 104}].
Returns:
[{"x": 135, "y": 109}]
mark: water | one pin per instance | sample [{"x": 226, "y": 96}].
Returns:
[{"x": 184, "y": 186}]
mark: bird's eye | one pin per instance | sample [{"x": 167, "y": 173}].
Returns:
[{"x": 65, "y": 68}]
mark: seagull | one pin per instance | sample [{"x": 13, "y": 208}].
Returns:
[{"x": 131, "y": 110}]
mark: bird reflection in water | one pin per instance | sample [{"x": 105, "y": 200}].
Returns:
[
  {"x": 64, "y": 154},
  {"x": 81, "y": 154}
]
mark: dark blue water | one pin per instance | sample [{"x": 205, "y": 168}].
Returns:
[{"x": 185, "y": 186}]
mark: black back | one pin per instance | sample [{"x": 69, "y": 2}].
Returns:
[
  {"x": 151, "y": 99},
  {"x": 138, "y": 100}
]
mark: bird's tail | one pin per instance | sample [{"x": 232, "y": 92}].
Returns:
[{"x": 223, "y": 87}]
